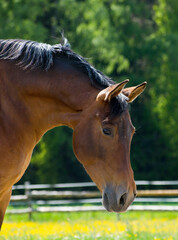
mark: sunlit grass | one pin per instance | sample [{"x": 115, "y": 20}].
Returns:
[{"x": 142, "y": 226}]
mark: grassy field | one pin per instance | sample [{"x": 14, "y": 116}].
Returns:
[{"x": 91, "y": 226}]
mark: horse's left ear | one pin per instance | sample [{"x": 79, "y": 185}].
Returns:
[
  {"x": 133, "y": 92},
  {"x": 112, "y": 91}
]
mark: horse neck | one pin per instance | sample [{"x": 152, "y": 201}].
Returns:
[{"x": 49, "y": 99}]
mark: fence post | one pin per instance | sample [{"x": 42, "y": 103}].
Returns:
[{"x": 27, "y": 193}]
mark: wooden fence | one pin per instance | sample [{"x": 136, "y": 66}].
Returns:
[{"x": 70, "y": 197}]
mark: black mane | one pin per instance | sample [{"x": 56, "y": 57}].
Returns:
[{"x": 33, "y": 55}]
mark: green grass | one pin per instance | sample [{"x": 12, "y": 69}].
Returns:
[
  {"x": 92, "y": 226},
  {"x": 73, "y": 216}
]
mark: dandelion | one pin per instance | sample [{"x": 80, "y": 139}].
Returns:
[
  {"x": 169, "y": 238},
  {"x": 97, "y": 229}
]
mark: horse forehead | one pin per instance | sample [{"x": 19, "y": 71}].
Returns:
[
  {"x": 118, "y": 118},
  {"x": 122, "y": 121},
  {"x": 125, "y": 126}
]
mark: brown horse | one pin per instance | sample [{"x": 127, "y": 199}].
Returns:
[{"x": 44, "y": 86}]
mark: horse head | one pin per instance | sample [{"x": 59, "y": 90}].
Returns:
[{"x": 102, "y": 141}]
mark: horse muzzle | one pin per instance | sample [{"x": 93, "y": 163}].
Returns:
[{"x": 116, "y": 199}]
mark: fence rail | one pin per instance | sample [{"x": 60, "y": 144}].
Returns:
[
  {"x": 70, "y": 197},
  {"x": 87, "y": 184}
]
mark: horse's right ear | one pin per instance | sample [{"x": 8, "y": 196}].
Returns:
[{"x": 112, "y": 91}]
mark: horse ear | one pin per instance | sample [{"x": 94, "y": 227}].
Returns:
[
  {"x": 133, "y": 92},
  {"x": 112, "y": 91}
]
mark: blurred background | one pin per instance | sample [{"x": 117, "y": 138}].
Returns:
[{"x": 124, "y": 39}]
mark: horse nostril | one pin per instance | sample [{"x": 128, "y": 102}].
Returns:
[
  {"x": 123, "y": 199},
  {"x": 115, "y": 199}
]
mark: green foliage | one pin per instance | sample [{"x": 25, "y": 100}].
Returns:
[
  {"x": 19, "y": 19},
  {"x": 166, "y": 94},
  {"x": 124, "y": 39},
  {"x": 54, "y": 160}
]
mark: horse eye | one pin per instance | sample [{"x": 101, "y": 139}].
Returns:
[{"x": 107, "y": 131}]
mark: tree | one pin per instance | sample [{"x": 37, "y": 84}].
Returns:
[
  {"x": 165, "y": 96},
  {"x": 54, "y": 160},
  {"x": 19, "y": 19},
  {"x": 124, "y": 39}
]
